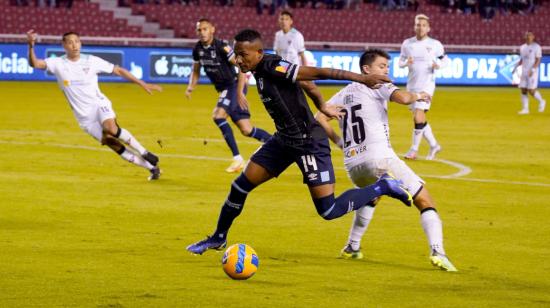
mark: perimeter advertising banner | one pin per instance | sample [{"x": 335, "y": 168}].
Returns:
[{"x": 173, "y": 65}]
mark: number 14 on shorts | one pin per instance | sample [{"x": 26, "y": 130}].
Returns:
[{"x": 309, "y": 161}]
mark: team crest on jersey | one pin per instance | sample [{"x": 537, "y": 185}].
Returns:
[
  {"x": 213, "y": 53},
  {"x": 86, "y": 70},
  {"x": 289, "y": 42},
  {"x": 201, "y": 53},
  {"x": 282, "y": 67},
  {"x": 429, "y": 49},
  {"x": 227, "y": 49},
  {"x": 261, "y": 83},
  {"x": 66, "y": 83}
]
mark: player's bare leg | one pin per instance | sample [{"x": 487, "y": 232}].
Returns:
[
  {"x": 219, "y": 115},
  {"x": 114, "y": 137}
]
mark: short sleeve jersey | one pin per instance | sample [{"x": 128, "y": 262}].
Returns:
[
  {"x": 79, "y": 81},
  {"x": 365, "y": 128},
  {"x": 289, "y": 45},
  {"x": 215, "y": 61},
  {"x": 424, "y": 53},
  {"x": 285, "y": 102},
  {"x": 529, "y": 54}
]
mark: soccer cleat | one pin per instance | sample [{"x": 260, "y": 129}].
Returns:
[
  {"x": 236, "y": 166},
  {"x": 395, "y": 189},
  {"x": 523, "y": 111},
  {"x": 441, "y": 261},
  {"x": 209, "y": 243},
  {"x": 542, "y": 106},
  {"x": 411, "y": 154},
  {"x": 348, "y": 253},
  {"x": 151, "y": 158},
  {"x": 155, "y": 174},
  {"x": 433, "y": 151}
]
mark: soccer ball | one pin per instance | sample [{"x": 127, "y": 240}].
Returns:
[{"x": 240, "y": 261}]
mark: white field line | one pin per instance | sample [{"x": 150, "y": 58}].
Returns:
[{"x": 462, "y": 169}]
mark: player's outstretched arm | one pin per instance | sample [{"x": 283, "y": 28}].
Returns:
[
  {"x": 315, "y": 73},
  {"x": 193, "y": 79},
  {"x": 517, "y": 65},
  {"x": 331, "y": 133},
  {"x": 33, "y": 60},
  {"x": 124, "y": 73},
  {"x": 407, "y": 98}
]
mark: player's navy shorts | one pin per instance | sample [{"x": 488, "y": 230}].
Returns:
[
  {"x": 313, "y": 159},
  {"x": 228, "y": 100}
]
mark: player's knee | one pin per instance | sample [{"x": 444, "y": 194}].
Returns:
[
  {"x": 325, "y": 207},
  {"x": 246, "y": 131},
  {"x": 112, "y": 130}
]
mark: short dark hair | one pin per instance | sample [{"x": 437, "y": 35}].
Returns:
[
  {"x": 370, "y": 55},
  {"x": 69, "y": 33},
  {"x": 205, "y": 20},
  {"x": 287, "y": 13},
  {"x": 248, "y": 35}
]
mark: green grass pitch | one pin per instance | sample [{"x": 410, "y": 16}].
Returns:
[{"x": 81, "y": 227}]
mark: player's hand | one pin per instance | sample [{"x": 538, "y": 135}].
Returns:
[
  {"x": 340, "y": 143},
  {"x": 188, "y": 92},
  {"x": 410, "y": 61},
  {"x": 152, "y": 87},
  {"x": 243, "y": 102},
  {"x": 31, "y": 37},
  {"x": 435, "y": 66},
  {"x": 531, "y": 71},
  {"x": 332, "y": 111},
  {"x": 423, "y": 96},
  {"x": 374, "y": 81}
]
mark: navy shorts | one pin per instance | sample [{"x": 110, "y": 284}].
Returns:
[
  {"x": 227, "y": 100},
  {"x": 313, "y": 159}
]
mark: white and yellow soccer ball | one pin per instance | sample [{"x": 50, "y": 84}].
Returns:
[{"x": 240, "y": 261}]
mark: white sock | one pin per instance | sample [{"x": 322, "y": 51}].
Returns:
[
  {"x": 428, "y": 134},
  {"x": 525, "y": 102},
  {"x": 538, "y": 96},
  {"x": 417, "y": 137},
  {"x": 361, "y": 221},
  {"x": 136, "y": 159},
  {"x": 126, "y": 137},
  {"x": 431, "y": 223},
  {"x": 238, "y": 157}
]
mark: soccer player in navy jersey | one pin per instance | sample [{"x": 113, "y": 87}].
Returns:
[
  {"x": 218, "y": 60},
  {"x": 299, "y": 139}
]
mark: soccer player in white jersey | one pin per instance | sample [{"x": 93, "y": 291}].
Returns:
[
  {"x": 530, "y": 55},
  {"x": 368, "y": 153},
  {"x": 289, "y": 44},
  {"x": 422, "y": 55},
  {"x": 76, "y": 75}
]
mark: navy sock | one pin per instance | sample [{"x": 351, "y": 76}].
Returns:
[
  {"x": 233, "y": 205},
  {"x": 330, "y": 208},
  {"x": 259, "y": 134},
  {"x": 227, "y": 133}
]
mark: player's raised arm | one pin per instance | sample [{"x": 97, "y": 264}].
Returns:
[
  {"x": 122, "y": 72},
  {"x": 407, "y": 98},
  {"x": 315, "y": 73},
  {"x": 33, "y": 60}
]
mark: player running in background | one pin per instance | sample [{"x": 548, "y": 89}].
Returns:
[
  {"x": 76, "y": 75},
  {"x": 299, "y": 139},
  {"x": 368, "y": 153},
  {"x": 422, "y": 55},
  {"x": 530, "y": 55},
  {"x": 218, "y": 60},
  {"x": 289, "y": 45}
]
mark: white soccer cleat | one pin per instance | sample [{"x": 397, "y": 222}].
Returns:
[
  {"x": 523, "y": 112},
  {"x": 411, "y": 154},
  {"x": 542, "y": 106},
  {"x": 442, "y": 262},
  {"x": 236, "y": 166},
  {"x": 433, "y": 151}
]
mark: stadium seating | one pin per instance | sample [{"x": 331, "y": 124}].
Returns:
[
  {"x": 84, "y": 17},
  {"x": 366, "y": 25}
]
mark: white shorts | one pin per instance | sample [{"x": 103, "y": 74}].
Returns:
[
  {"x": 526, "y": 82},
  {"x": 420, "y": 105},
  {"x": 369, "y": 171},
  {"x": 92, "y": 123}
]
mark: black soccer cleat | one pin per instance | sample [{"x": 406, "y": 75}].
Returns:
[
  {"x": 151, "y": 158},
  {"x": 155, "y": 174}
]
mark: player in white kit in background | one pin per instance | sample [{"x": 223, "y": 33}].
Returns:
[
  {"x": 368, "y": 153},
  {"x": 422, "y": 55},
  {"x": 289, "y": 44},
  {"x": 77, "y": 77},
  {"x": 530, "y": 55}
]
